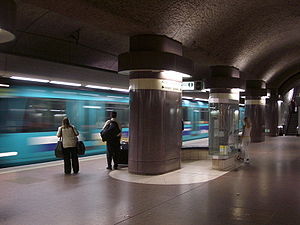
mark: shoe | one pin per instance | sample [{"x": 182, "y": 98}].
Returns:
[
  {"x": 247, "y": 161},
  {"x": 115, "y": 167},
  {"x": 109, "y": 168}
]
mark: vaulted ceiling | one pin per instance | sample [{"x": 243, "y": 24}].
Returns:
[{"x": 260, "y": 37}]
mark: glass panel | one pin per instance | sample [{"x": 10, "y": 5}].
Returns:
[{"x": 223, "y": 128}]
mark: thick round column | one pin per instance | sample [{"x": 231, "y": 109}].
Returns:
[
  {"x": 155, "y": 66},
  {"x": 223, "y": 122},
  {"x": 255, "y": 108},
  {"x": 271, "y": 116},
  {"x": 223, "y": 112},
  {"x": 155, "y": 123},
  {"x": 255, "y": 111}
]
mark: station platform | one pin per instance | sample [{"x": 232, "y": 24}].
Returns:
[
  {"x": 264, "y": 192},
  {"x": 202, "y": 143}
]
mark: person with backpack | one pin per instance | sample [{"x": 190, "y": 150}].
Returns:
[
  {"x": 68, "y": 133},
  {"x": 111, "y": 133}
]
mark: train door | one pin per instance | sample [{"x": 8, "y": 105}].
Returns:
[{"x": 195, "y": 121}]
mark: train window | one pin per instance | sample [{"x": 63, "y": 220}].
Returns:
[
  {"x": 43, "y": 115},
  {"x": 204, "y": 115},
  {"x": 185, "y": 115},
  {"x": 122, "y": 110},
  {"x": 11, "y": 114},
  {"x": 30, "y": 115}
]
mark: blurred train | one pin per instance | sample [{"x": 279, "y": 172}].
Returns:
[{"x": 30, "y": 115}]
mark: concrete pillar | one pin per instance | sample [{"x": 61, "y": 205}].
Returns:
[
  {"x": 271, "y": 115},
  {"x": 223, "y": 115},
  {"x": 153, "y": 65},
  {"x": 255, "y": 108}
]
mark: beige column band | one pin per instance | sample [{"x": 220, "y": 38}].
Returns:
[
  {"x": 255, "y": 102},
  {"x": 155, "y": 84},
  {"x": 224, "y": 98}
]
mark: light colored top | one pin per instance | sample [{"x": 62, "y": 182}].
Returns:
[
  {"x": 69, "y": 136},
  {"x": 114, "y": 119},
  {"x": 247, "y": 131}
]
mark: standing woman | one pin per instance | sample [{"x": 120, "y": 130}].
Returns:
[
  {"x": 69, "y": 134},
  {"x": 246, "y": 139}
]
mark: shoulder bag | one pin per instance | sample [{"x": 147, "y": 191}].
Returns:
[
  {"x": 59, "y": 149},
  {"x": 80, "y": 145}
]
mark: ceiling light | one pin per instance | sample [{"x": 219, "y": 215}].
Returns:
[
  {"x": 201, "y": 99},
  {"x": 4, "y": 85},
  {"x": 6, "y": 36},
  {"x": 98, "y": 87},
  {"x": 186, "y": 97},
  {"x": 120, "y": 89},
  {"x": 5, "y": 154},
  {"x": 114, "y": 97},
  {"x": 91, "y": 107},
  {"x": 175, "y": 73},
  {"x": 29, "y": 79},
  {"x": 65, "y": 83},
  {"x": 7, "y": 20},
  {"x": 237, "y": 90}
]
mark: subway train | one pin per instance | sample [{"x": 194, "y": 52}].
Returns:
[{"x": 30, "y": 115}]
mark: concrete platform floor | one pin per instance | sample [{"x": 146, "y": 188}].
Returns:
[
  {"x": 195, "y": 143},
  {"x": 265, "y": 192},
  {"x": 190, "y": 172}
]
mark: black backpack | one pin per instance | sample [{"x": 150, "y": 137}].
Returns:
[{"x": 110, "y": 131}]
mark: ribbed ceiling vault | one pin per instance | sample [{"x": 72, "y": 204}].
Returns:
[{"x": 260, "y": 37}]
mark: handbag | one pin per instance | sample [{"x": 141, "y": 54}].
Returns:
[
  {"x": 59, "y": 150},
  {"x": 80, "y": 148}
]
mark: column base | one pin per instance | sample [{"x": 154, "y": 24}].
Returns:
[
  {"x": 154, "y": 167},
  {"x": 194, "y": 154},
  {"x": 225, "y": 163}
]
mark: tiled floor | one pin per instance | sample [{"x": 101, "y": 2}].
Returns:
[
  {"x": 190, "y": 172},
  {"x": 266, "y": 192}
]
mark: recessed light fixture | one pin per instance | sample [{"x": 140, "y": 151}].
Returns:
[
  {"x": 237, "y": 90},
  {"x": 186, "y": 97},
  {"x": 5, "y": 154},
  {"x": 29, "y": 79},
  {"x": 91, "y": 107},
  {"x": 8, "y": 17},
  {"x": 4, "y": 85},
  {"x": 98, "y": 87},
  {"x": 175, "y": 73},
  {"x": 65, "y": 83},
  {"x": 120, "y": 89},
  {"x": 201, "y": 99}
]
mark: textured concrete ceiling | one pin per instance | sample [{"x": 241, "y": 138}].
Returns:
[{"x": 260, "y": 37}]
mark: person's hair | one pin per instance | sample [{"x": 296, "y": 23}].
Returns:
[
  {"x": 65, "y": 122},
  {"x": 247, "y": 122},
  {"x": 113, "y": 114}
]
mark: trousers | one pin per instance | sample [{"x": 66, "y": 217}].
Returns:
[
  {"x": 70, "y": 154},
  {"x": 112, "y": 153},
  {"x": 245, "y": 144}
]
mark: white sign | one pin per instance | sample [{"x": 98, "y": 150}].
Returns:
[{"x": 188, "y": 86}]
